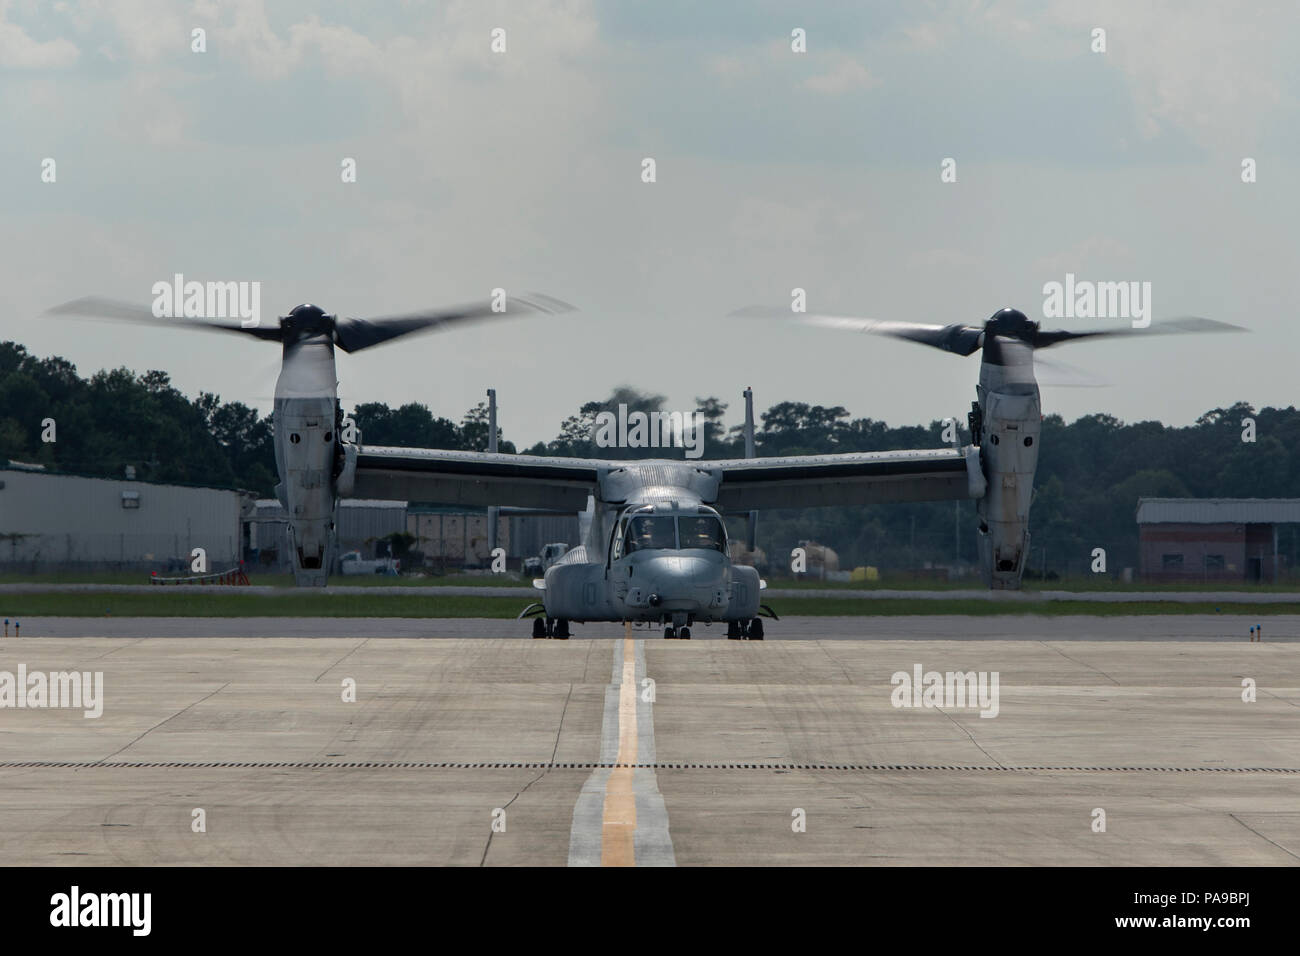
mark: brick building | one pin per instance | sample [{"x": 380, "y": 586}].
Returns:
[{"x": 1212, "y": 539}]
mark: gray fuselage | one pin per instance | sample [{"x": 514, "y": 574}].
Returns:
[{"x": 659, "y": 557}]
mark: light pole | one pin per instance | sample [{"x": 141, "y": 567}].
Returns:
[{"x": 493, "y": 512}]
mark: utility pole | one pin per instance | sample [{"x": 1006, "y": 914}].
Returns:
[
  {"x": 492, "y": 512},
  {"x": 749, "y": 453},
  {"x": 956, "y": 510}
]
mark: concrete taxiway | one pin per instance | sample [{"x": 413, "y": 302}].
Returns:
[{"x": 488, "y": 748}]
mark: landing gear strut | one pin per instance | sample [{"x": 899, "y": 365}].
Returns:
[
  {"x": 679, "y": 627},
  {"x": 551, "y": 627},
  {"x": 751, "y": 630}
]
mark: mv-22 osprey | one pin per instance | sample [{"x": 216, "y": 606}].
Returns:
[{"x": 654, "y": 546}]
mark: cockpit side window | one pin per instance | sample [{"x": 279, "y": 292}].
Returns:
[
  {"x": 616, "y": 546},
  {"x": 702, "y": 531},
  {"x": 649, "y": 532}
]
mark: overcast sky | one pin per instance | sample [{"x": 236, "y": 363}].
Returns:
[{"x": 775, "y": 170}]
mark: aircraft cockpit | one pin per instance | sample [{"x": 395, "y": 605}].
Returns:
[{"x": 668, "y": 527}]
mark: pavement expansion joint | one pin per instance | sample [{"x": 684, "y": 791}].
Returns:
[{"x": 546, "y": 765}]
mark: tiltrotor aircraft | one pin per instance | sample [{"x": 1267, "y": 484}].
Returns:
[{"x": 654, "y": 546}]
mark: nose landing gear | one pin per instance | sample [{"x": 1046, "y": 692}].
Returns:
[
  {"x": 751, "y": 630},
  {"x": 551, "y": 627},
  {"x": 679, "y": 628}
]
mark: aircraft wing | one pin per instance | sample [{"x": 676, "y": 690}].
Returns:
[
  {"x": 480, "y": 479},
  {"x": 475, "y": 478},
  {"x": 814, "y": 481}
]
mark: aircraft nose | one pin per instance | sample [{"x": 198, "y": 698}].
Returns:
[
  {"x": 682, "y": 582},
  {"x": 681, "y": 567}
]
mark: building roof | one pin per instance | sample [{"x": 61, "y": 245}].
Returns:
[
  {"x": 1218, "y": 510},
  {"x": 426, "y": 508},
  {"x": 272, "y": 505},
  {"x": 28, "y": 468}
]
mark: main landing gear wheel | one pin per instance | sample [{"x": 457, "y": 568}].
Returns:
[
  {"x": 684, "y": 633},
  {"x": 755, "y": 630},
  {"x": 539, "y": 628},
  {"x": 669, "y": 633},
  {"x": 561, "y": 632},
  {"x": 734, "y": 631}
]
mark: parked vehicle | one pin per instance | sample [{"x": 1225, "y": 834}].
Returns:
[
  {"x": 551, "y": 553},
  {"x": 353, "y": 563}
]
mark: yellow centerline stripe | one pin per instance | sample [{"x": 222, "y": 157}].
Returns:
[{"x": 618, "y": 825}]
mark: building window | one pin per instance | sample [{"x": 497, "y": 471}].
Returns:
[
  {"x": 1214, "y": 562},
  {"x": 1171, "y": 562},
  {"x": 130, "y": 499}
]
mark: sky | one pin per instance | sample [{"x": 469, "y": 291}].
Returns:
[{"x": 774, "y": 170}]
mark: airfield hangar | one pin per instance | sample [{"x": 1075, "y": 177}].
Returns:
[
  {"x": 1213, "y": 539},
  {"x": 55, "y": 522},
  {"x": 445, "y": 537}
]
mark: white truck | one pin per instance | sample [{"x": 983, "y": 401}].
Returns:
[
  {"x": 353, "y": 563},
  {"x": 550, "y": 554}
]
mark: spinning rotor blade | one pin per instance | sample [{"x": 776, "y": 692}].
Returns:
[
  {"x": 963, "y": 339},
  {"x": 96, "y": 307},
  {"x": 353, "y": 335},
  {"x": 1056, "y": 374},
  {"x": 958, "y": 339},
  {"x": 1178, "y": 325}
]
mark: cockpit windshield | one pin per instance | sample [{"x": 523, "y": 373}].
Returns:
[
  {"x": 672, "y": 531},
  {"x": 650, "y": 531},
  {"x": 701, "y": 531}
]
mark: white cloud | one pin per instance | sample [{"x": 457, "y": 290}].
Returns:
[
  {"x": 1090, "y": 253},
  {"x": 19, "y": 51},
  {"x": 726, "y": 67},
  {"x": 846, "y": 76},
  {"x": 1196, "y": 67}
]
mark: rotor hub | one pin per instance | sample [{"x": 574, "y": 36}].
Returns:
[
  {"x": 308, "y": 319},
  {"x": 1011, "y": 323}
]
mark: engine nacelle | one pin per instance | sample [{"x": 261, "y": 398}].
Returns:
[
  {"x": 1011, "y": 424},
  {"x": 306, "y": 446}
]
